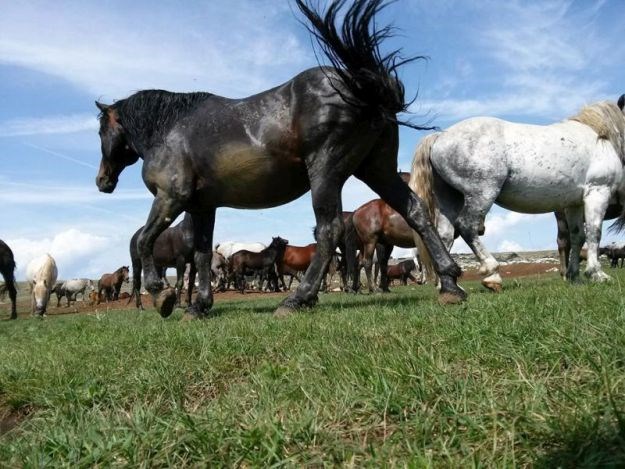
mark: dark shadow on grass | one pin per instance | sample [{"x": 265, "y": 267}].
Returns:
[{"x": 587, "y": 449}]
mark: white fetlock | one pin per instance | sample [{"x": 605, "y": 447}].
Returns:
[
  {"x": 600, "y": 276},
  {"x": 493, "y": 282}
]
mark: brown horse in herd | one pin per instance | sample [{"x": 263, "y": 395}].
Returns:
[
  {"x": 294, "y": 260},
  {"x": 379, "y": 227},
  {"x": 245, "y": 262},
  {"x": 110, "y": 285},
  {"x": 402, "y": 271}
]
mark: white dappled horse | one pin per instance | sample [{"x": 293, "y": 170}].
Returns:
[
  {"x": 575, "y": 166},
  {"x": 41, "y": 274}
]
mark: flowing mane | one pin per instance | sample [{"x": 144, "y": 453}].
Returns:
[
  {"x": 149, "y": 114},
  {"x": 608, "y": 121}
]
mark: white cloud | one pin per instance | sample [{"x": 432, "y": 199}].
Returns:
[
  {"x": 77, "y": 253},
  {"x": 230, "y": 49},
  {"x": 540, "y": 63},
  {"x": 509, "y": 246},
  {"x": 48, "y": 125}
]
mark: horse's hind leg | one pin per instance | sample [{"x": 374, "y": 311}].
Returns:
[
  {"x": 203, "y": 226},
  {"x": 470, "y": 222},
  {"x": 181, "y": 266},
  {"x": 384, "y": 253},
  {"x": 575, "y": 220},
  {"x": 191, "y": 285},
  {"x": 383, "y": 179},
  {"x": 595, "y": 205},
  {"x": 326, "y": 198}
]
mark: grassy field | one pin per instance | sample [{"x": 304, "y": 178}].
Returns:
[{"x": 533, "y": 376}]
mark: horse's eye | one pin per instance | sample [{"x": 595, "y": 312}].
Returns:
[{"x": 126, "y": 147}]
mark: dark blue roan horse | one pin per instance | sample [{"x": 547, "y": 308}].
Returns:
[{"x": 202, "y": 151}]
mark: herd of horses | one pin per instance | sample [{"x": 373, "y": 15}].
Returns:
[{"x": 201, "y": 151}]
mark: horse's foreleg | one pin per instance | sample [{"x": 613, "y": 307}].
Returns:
[
  {"x": 163, "y": 212},
  {"x": 564, "y": 241},
  {"x": 575, "y": 220},
  {"x": 203, "y": 226},
  {"x": 595, "y": 205}
]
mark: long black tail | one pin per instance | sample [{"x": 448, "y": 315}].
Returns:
[{"x": 353, "y": 48}]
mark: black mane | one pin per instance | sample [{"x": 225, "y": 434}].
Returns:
[{"x": 148, "y": 115}]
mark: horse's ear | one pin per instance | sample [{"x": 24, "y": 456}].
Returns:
[
  {"x": 101, "y": 106},
  {"x": 621, "y": 102}
]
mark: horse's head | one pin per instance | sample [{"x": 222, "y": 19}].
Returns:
[
  {"x": 279, "y": 242},
  {"x": 621, "y": 103},
  {"x": 125, "y": 271},
  {"x": 41, "y": 292},
  {"x": 117, "y": 152}
]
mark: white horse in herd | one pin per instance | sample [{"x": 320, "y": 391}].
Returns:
[
  {"x": 575, "y": 166},
  {"x": 41, "y": 274},
  {"x": 228, "y": 248}
]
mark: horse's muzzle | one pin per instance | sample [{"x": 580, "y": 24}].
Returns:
[{"x": 105, "y": 184}]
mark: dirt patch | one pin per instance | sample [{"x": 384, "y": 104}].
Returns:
[
  {"x": 11, "y": 418},
  {"x": 514, "y": 270}
]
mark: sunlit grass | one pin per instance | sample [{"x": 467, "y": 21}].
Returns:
[{"x": 531, "y": 376}]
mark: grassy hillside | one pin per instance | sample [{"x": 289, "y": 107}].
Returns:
[{"x": 531, "y": 376}]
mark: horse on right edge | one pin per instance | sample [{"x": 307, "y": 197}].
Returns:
[{"x": 574, "y": 166}]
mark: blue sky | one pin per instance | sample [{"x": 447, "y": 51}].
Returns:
[{"x": 534, "y": 62}]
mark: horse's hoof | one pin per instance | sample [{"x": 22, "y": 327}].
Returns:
[
  {"x": 449, "y": 298},
  {"x": 165, "y": 301},
  {"x": 493, "y": 286},
  {"x": 283, "y": 312},
  {"x": 600, "y": 277},
  {"x": 190, "y": 317}
]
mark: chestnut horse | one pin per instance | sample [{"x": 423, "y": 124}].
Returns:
[
  {"x": 378, "y": 224},
  {"x": 7, "y": 268},
  {"x": 295, "y": 259},
  {"x": 201, "y": 151},
  {"x": 111, "y": 284}
]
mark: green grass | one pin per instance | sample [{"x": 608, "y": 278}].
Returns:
[{"x": 533, "y": 376}]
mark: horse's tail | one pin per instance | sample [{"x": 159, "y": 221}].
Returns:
[
  {"x": 353, "y": 48},
  {"x": 422, "y": 183}
]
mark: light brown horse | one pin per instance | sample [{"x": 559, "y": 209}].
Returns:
[{"x": 111, "y": 284}]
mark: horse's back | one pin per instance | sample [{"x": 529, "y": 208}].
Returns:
[
  {"x": 534, "y": 168},
  {"x": 42, "y": 268}
]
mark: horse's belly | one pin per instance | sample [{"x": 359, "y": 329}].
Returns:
[
  {"x": 250, "y": 177},
  {"x": 398, "y": 233},
  {"x": 539, "y": 196}
]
